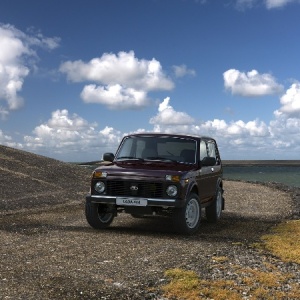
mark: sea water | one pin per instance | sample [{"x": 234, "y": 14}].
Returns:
[{"x": 288, "y": 175}]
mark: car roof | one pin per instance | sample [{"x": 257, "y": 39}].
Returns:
[{"x": 144, "y": 134}]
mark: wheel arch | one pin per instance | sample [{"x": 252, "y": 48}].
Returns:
[{"x": 192, "y": 188}]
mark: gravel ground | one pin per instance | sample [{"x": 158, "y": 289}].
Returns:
[
  {"x": 54, "y": 254},
  {"x": 50, "y": 252}
]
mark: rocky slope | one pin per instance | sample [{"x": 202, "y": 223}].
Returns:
[{"x": 31, "y": 181}]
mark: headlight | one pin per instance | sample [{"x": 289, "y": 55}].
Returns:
[
  {"x": 172, "y": 190},
  {"x": 99, "y": 187}
]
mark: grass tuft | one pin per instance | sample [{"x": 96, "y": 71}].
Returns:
[
  {"x": 183, "y": 283},
  {"x": 284, "y": 241}
]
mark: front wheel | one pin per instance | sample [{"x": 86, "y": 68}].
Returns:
[
  {"x": 187, "y": 219},
  {"x": 213, "y": 212},
  {"x": 99, "y": 216}
]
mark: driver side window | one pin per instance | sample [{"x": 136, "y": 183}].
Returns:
[
  {"x": 203, "y": 150},
  {"x": 211, "y": 149}
]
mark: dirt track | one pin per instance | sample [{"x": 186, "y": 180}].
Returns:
[{"x": 54, "y": 254}]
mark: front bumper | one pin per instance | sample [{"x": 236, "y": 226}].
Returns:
[{"x": 150, "y": 201}]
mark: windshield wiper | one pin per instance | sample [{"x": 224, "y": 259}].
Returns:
[
  {"x": 161, "y": 158},
  {"x": 130, "y": 158}
]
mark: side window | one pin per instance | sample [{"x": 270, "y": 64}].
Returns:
[
  {"x": 203, "y": 150},
  {"x": 211, "y": 149}
]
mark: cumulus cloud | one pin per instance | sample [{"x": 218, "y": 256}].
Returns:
[
  {"x": 182, "y": 70},
  {"x": 123, "y": 76},
  {"x": 7, "y": 140},
  {"x": 4, "y": 139},
  {"x": 239, "y": 139},
  {"x": 115, "y": 96},
  {"x": 290, "y": 102},
  {"x": 250, "y": 84},
  {"x": 285, "y": 135},
  {"x": 172, "y": 121},
  {"x": 168, "y": 116},
  {"x": 16, "y": 47},
  {"x": 239, "y": 128},
  {"x": 69, "y": 135}
]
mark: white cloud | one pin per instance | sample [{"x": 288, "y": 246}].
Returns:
[
  {"x": 285, "y": 136},
  {"x": 290, "y": 102},
  {"x": 7, "y": 140},
  {"x": 4, "y": 138},
  {"x": 255, "y": 139},
  {"x": 250, "y": 84},
  {"x": 12, "y": 70},
  {"x": 122, "y": 76},
  {"x": 182, "y": 70},
  {"x": 16, "y": 47},
  {"x": 115, "y": 96},
  {"x": 234, "y": 130},
  {"x": 168, "y": 116},
  {"x": 70, "y": 137}
]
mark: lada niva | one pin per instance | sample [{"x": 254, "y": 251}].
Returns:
[{"x": 158, "y": 174}]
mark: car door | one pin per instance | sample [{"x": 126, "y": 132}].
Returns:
[
  {"x": 216, "y": 169},
  {"x": 208, "y": 175}
]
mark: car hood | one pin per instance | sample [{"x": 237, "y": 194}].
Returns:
[{"x": 145, "y": 169}]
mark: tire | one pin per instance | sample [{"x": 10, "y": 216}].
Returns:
[
  {"x": 214, "y": 211},
  {"x": 187, "y": 219},
  {"x": 99, "y": 216}
]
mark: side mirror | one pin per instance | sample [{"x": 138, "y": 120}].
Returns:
[
  {"x": 108, "y": 157},
  {"x": 208, "y": 161}
]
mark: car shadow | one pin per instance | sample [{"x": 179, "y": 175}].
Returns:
[{"x": 231, "y": 227}]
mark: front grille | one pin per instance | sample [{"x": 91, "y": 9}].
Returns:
[{"x": 134, "y": 188}]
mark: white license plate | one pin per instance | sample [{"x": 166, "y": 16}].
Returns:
[{"x": 131, "y": 201}]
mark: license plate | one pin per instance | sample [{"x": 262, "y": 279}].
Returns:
[{"x": 131, "y": 201}]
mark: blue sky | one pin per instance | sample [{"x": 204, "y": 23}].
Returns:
[{"x": 75, "y": 76}]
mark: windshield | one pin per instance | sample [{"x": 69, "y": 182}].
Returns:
[{"x": 163, "y": 148}]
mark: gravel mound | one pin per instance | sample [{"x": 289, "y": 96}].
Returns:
[{"x": 30, "y": 181}]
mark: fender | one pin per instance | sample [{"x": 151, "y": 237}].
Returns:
[{"x": 192, "y": 186}]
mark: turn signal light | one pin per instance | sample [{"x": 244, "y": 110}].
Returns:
[
  {"x": 99, "y": 174},
  {"x": 175, "y": 178}
]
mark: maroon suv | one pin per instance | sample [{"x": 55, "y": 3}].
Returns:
[{"x": 158, "y": 174}]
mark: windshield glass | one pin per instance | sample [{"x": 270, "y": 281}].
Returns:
[{"x": 163, "y": 148}]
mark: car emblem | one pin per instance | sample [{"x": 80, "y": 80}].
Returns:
[{"x": 134, "y": 188}]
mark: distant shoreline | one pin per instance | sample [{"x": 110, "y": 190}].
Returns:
[{"x": 247, "y": 163}]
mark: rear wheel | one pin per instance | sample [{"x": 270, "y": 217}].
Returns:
[
  {"x": 214, "y": 211},
  {"x": 99, "y": 215},
  {"x": 187, "y": 219}
]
